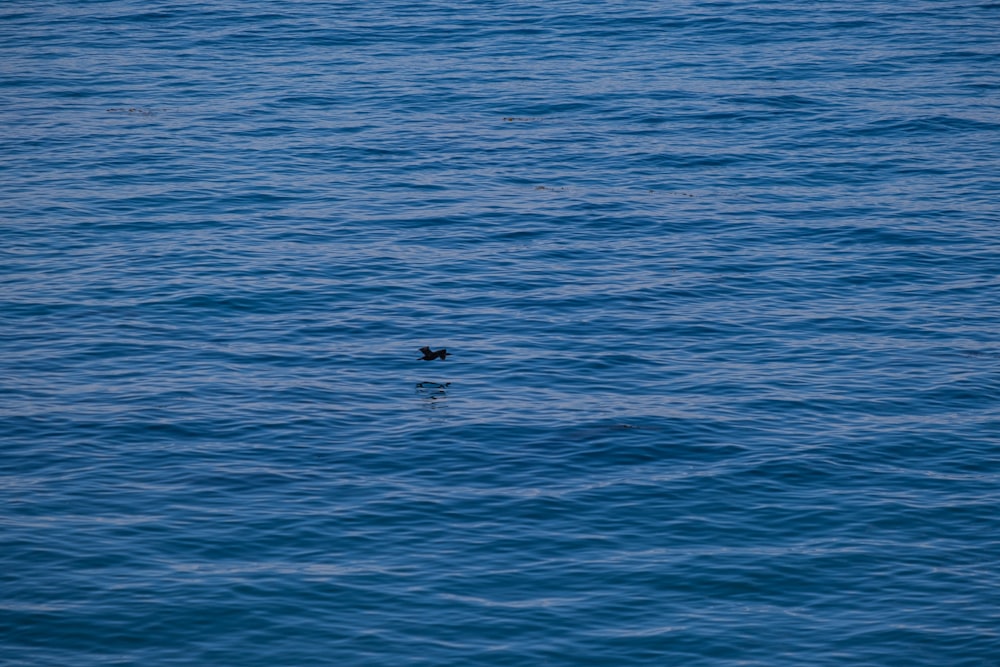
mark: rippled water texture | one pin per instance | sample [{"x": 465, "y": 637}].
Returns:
[{"x": 718, "y": 280}]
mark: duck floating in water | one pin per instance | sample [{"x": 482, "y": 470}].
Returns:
[{"x": 429, "y": 355}]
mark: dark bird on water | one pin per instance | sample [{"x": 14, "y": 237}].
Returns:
[{"x": 431, "y": 356}]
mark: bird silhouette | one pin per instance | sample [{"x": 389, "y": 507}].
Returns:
[{"x": 432, "y": 355}]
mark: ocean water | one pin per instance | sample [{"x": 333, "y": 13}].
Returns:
[{"x": 719, "y": 281}]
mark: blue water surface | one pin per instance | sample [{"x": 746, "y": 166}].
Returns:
[{"x": 719, "y": 281}]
